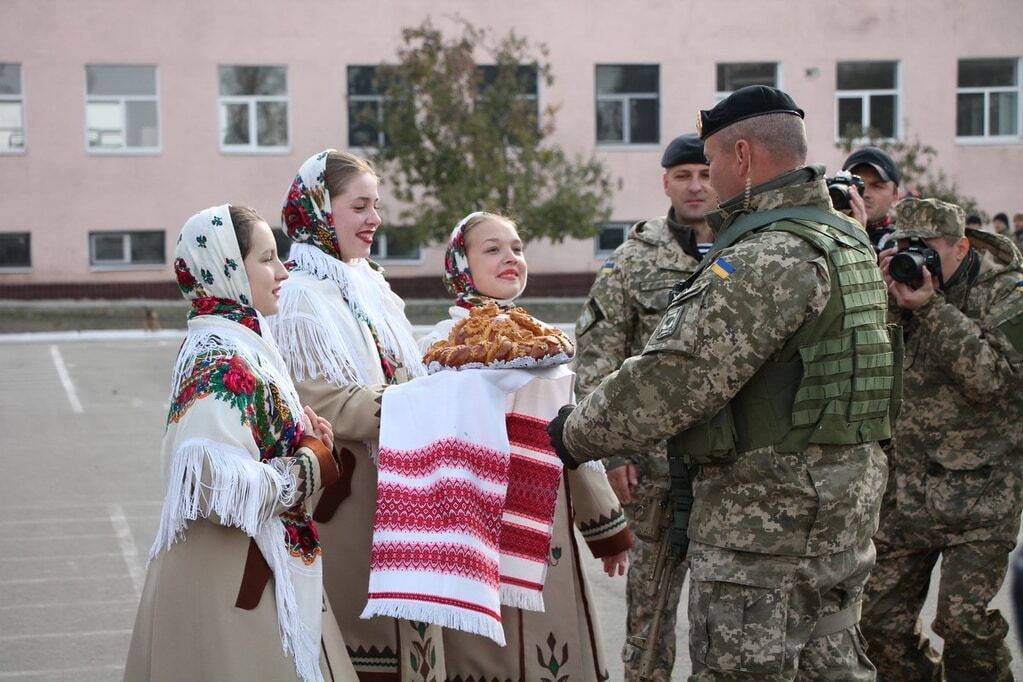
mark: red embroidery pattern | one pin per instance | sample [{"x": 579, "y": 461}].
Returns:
[
  {"x": 451, "y": 505},
  {"x": 446, "y": 558},
  {"x": 489, "y": 465}
]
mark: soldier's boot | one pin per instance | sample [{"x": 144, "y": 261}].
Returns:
[{"x": 978, "y": 652}]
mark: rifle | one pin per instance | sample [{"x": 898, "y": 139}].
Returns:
[{"x": 672, "y": 539}]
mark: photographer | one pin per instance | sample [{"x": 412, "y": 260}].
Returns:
[
  {"x": 956, "y": 475},
  {"x": 880, "y": 189}
]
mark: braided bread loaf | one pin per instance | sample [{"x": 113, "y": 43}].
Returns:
[{"x": 490, "y": 335}]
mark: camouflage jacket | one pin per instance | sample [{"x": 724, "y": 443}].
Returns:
[
  {"x": 957, "y": 456},
  {"x": 626, "y": 303},
  {"x": 821, "y": 500}
]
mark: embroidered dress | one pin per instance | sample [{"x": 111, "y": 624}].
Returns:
[
  {"x": 234, "y": 587},
  {"x": 344, "y": 337}
]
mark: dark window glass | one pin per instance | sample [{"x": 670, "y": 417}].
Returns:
[
  {"x": 866, "y": 75},
  {"x": 272, "y": 124},
  {"x": 850, "y": 117},
  {"x": 985, "y": 73},
  {"x": 630, "y": 79},
  {"x": 108, "y": 247},
  {"x": 525, "y": 74},
  {"x": 611, "y": 235},
  {"x": 731, "y": 77},
  {"x": 882, "y": 115},
  {"x": 283, "y": 243},
  {"x": 16, "y": 250},
  {"x": 364, "y": 123},
  {"x": 147, "y": 247},
  {"x": 643, "y": 123},
  {"x": 120, "y": 80},
  {"x": 362, "y": 80},
  {"x": 253, "y": 80},
  {"x": 610, "y": 122},
  {"x": 236, "y": 123},
  {"x": 1003, "y": 117},
  {"x": 10, "y": 79},
  {"x": 970, "y": 114}
]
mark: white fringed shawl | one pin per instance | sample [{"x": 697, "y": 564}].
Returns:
[
  {"x": 317, "y": 342},
  {"x": 239, "y": 490}
]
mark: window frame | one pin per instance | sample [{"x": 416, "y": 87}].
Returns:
[
  {"x": 253, "y": 147},
  {"x": 624, "y": 99},
  {"x": 121, "y": 100},
  {"x": 624, "y": 225},
  {"x": 126, "y": 263},
  {"x": 5, "y": 269},
  {"x": 377, "y": 98},
  {"x": 20, "y": 100},
  {"x": 864, "y": 95},
  {"x": 987, "y": 91},
  {"x": 722, "y": 94},
  {"x": 380, "y": 241}
]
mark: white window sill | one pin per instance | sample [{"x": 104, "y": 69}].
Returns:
[
  {"x": 118, "y": 267},
  {"x": 980, "y": 140},
  {"x": 256, "y": 151},
  {"x": 15, "y": 269},
  {"x": 18, "y": 151},
  {"x": 125, "y": 151},
  {"x": 628, "y": 147}
]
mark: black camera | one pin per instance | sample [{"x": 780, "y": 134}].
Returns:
[
  {"x": 838, "y": 188},
  {"x": 907, "y": 266}
]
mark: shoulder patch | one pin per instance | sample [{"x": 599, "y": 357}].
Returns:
[
  {"x": 608, "y": 266},
  {"x": 722, "y": 268}
]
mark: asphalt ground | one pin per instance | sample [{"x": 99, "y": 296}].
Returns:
[{"x": 80, "y": 495}]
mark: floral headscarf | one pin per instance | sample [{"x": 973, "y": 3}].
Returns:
[
  {"x": 306, "y": 215},
  {"x": 209, "y": 268},
  {"x": 458, "y": 276}
]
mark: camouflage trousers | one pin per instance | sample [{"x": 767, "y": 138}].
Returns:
[
  {"x": 641, "y": 598},
  {"x": 753, "y": 616},
  {"x": 975, "y": 648}
]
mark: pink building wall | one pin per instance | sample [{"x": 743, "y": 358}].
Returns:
[{"x": 60, "y": 192}]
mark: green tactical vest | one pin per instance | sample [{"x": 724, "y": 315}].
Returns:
[{"x": 837, "y": 381}]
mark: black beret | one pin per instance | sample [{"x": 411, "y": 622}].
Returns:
[
  {"x": 747, "y": 102},
  {"x": 683, "y": 149}
]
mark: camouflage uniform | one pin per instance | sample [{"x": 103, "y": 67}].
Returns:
[
  {"x": 780, "y": 540},
  {"x": 626, "y": 303},
  {"x": 955, "y": 484}
]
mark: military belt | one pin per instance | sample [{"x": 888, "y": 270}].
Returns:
[{"x": 833, "y": 623}]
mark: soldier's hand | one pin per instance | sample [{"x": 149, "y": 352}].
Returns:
[
  {"x": 622, "y": 479},
  {"x": 883, "y": 259},
  {"x": 617, "y": 563},
  {"x": 908, "y": 298}
]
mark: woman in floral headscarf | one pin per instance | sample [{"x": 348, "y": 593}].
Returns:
[
  {"x": 234, "y": 587},
  {"x": 345, "y": 338},
  {"x": 485, "y": 263}
]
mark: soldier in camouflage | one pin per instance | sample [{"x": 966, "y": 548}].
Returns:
[
  {"x": 955, "y": 487},
  {"x": 773, "y": 371},
  {"x": 625, "y": 305}
]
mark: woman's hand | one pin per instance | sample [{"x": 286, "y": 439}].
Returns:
[
  {"x": 616, "y": 562},
  {"x": 318, "y": 427}
]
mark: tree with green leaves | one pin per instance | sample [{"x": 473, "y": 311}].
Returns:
[
  {"x": 462, "y": 130},
  {"x": 917, "y": 163}
]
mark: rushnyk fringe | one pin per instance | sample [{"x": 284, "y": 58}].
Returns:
[
  {"x": 366, "y": 291},
  {"x": 451, "y": 617},
  {"x": 242, "y": 493}
]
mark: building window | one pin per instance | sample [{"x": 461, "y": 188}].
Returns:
[
  {"x": 732, "y": 77},
  {"x": 12, "y": 113},
  {"x": 868, "y": 100},
  {"x": 253, "y": 108},
  {"x": 127, "y": 248},
  {"x": 121, "y": 108},
  {"x": 987, "y": 99},
  {"x": 395, "y": 244},
  {"x": 365, "y": 107},
  {"x": 15, "y": 251},
  {"x": 610, "y": 236},
  {"x": 283, "y": 242},
  {"x": 628, "y": 104}
]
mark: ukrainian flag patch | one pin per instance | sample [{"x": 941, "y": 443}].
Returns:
[
  {"x": 607, "y": 267},
  {"x": 722, "y": 268}
]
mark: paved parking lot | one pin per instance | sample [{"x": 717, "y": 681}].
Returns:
[{"x": 80, "y": 429}]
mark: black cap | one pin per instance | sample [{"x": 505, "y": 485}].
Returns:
[
  {"x": 876, "y": 159},
  {"x": 747, "y": 102},
  {"x": 683, "y": 149}
]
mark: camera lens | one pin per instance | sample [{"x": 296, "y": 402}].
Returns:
[
  {"x": 839, "y": 197},
  {"x": 906, "y": 266}
]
